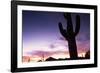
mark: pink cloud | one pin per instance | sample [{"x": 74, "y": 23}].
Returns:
[{"x": 46, "y": 53}]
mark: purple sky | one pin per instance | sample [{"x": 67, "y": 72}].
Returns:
[{"x": 41, "y": 33}]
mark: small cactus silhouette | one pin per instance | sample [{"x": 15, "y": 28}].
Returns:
[
  {"x": 87, "y": 55},
  {"x": 70, "y": 35}
]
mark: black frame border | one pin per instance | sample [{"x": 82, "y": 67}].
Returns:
[{"x": 14, "y": 5}]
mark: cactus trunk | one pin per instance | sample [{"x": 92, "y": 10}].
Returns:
[
  {"x": 70, "y": 35},
  {"x": 73, "y": 48}
]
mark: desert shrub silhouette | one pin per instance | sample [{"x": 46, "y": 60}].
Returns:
[
  {"x": 87, "y": 55},
  {"x": 51, "y": 59},
  {"x": 70, "y": 35}
]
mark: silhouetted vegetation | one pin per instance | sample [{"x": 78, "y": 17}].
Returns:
[
  {"x": 61, "y": 59},
  {"x": 50, "y": 59},
  {"x": 40, "y": 61},
  {"x": 87, "y": 55},
  {"x": 69, "y": 34}
]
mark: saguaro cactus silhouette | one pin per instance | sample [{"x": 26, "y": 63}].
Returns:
[{"x": 69, "y": 34}]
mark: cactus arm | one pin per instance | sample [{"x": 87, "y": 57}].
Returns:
[
  {"x": 68, "y": 18},
  {"x": 77, "y": 25},
  {"x": 62, "y": 31}
]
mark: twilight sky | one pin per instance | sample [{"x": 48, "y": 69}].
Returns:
[{"x": 41, "y": 34}]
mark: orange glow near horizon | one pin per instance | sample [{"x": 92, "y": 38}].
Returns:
[{"x": 56, "y": 56}]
